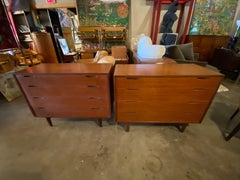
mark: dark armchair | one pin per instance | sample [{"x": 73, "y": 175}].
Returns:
[
  {"x": 227, "y": 61},
  {"x": 183, "y": 53}
]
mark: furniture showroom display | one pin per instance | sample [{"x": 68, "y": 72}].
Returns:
[
  {"x": 163, "y": 93},
  {"x": 67, "y": 90}
]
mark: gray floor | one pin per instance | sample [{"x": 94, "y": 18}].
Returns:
[{"x": 79, "y": 149}]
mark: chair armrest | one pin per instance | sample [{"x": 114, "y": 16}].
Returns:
[{"x": 201, "y": 63}]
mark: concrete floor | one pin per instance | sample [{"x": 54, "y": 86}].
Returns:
[{"x": 79, "y": 149}]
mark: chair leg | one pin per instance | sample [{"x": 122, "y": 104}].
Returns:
[
  {"x": 235, "y": 130},
  {"x": 232, "y": 133}
]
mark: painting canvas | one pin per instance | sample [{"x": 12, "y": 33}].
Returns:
[
  {"x": 103, "y": 12},
  {"x": 213, "y": 17}
]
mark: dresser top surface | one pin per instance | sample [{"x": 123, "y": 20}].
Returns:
[
  {"x": 163, "y": 70},
  {"x": 73, "y": 68}
]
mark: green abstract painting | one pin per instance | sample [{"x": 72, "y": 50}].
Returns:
[
  {"x": 213, "y": 17},
  {"x": 103, "y": 12}
]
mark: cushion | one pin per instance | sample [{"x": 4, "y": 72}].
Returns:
[
  {"x": 187, "y": 51},
  {"x": 174, "y": 52}
]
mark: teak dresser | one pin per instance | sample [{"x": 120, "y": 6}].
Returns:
[
  {"x": 67, "y": 90},
  {"x": 163, "y": 93}
]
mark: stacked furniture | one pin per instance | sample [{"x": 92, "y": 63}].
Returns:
[
  {"x": 67, "y": 90},
  {"x": 163, "y": 93}
]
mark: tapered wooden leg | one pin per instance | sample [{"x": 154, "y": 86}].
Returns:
[
  {"x": 100, "y": 122},
  {"x": 181, "y": 127},
  {"x": 127, "y": 127},
  {"x": 49, "y": 121}
]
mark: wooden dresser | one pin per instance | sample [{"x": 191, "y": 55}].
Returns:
[
  {"x": 163, "y": 93},
  {"x": 67, "y": 90}
]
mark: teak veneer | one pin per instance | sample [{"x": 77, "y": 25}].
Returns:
[
  {"x": 163, "y": 93},
  {"x": 67, "y": 90}
]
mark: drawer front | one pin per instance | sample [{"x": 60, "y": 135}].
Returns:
[
  {"x": 165, "y": 94},
  {"x": 79, "y": 102},
  {"x": 59, "y": 80},
  {"x": 169, "y": 83},
  {"x": 70, "y": 111},
  {"x": 74, "y": 90},
  {"x": 160, "y": 117},
  {"x": 178, "y": 107}
]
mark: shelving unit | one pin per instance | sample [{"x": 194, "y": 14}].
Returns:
[
  {"x": 24, "y": 25},
  {"x": 157, "y": 4}
]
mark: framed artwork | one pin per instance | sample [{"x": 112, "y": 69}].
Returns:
[
  {"x": 213, "y": 17},
  {"x": 103, "y": 12}
]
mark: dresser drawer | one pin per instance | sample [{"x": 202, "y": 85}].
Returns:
[
  {"x": 94, "y": 112},
  {"x": 55, "y": 90},
  {"x": 164, "y": 94},
  {"x": 178, "y": 107},
  {"x": 166, "y": 82},
  {"x": 159, "y": 117},
  {"x": 60, "y": 80},
  {"x": 78, "y": 101}
]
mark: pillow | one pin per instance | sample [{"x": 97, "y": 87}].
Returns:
[
  {"x": 187, "y": 51},
  {"x": 174, "y": 52}
]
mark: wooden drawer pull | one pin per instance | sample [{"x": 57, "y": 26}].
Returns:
[
  {"x": 130, "y": 101},
  {"x": 199, "y": 89},
  {"x": 132, "y": 78},
  {"x": 31, "y": 86},
  {"x": 92, "y": 86},
  {"x": 90, "y": 76},
  {"x": 95, "y": 108},
  {"x": 202, "y": 77},
  {"x": 94, "y": 98},
  {"x": 130, "y": 112},
  {"x": 132, "y": 89}
]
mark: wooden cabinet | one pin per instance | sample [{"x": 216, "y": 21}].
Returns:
[
  {"x": 206, "y": 44},
  {"x": 43, "y": 44},
  {"x": 67, "y": 90},
  {"x": 168, "y": 93}
]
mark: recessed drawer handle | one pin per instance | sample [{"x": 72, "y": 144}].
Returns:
[
  {"x": 193, "y": 103},
  {"x": 95, "y": 108},
  {"x": 130, "y": 101},
  {"x": 132, "y": 89},
  {"x": 203, "y": 77},
  {"x": 90, "y": 76},
  {"x": 92, "y": 86},
  {"x": 41, "y": 108},
  {"x": 130, "y": 112},
  {"x": 36, "y": 97},
  {"x": 27, "y": 76},
  {"x": 94, "y": 98},
  {"x": 199, "y": 89},
  {"x": 132, "y": 78},
  {"x": 32, "y": 86}
]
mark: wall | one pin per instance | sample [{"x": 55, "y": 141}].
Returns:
[{"x": 140, "y": 18}]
